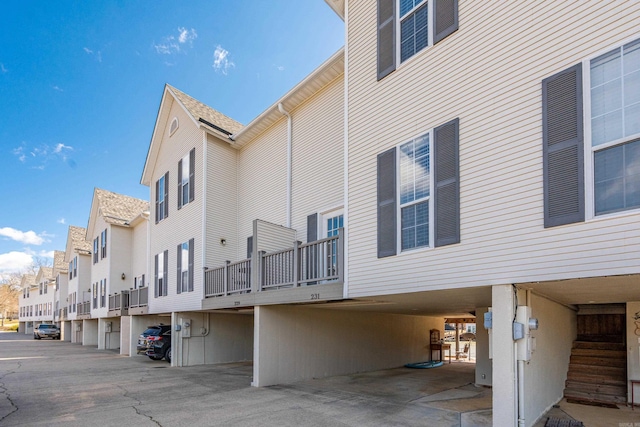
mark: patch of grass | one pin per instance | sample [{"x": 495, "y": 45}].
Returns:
[{"x": 10, "y": 325}]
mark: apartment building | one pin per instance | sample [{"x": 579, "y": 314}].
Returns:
[{"x": 77, "y": 301}]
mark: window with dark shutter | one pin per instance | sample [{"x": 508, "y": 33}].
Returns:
[
  {"x": 192, "y": 174},
  {"x": 447, "y": 183},
  {"x": 179, "y": 192},
  {"x": 386, "y": 37},
  {"x": 166, "y": 195},
  {"x": 387, "y": 203},
  {"x": 445, "y": 18},
  {"x": 312, "y": 228},
  {"x": 165, "y": 272},
  {"x": 156, "y": 279},
  {"x": 179, "y": 268},
  {"x": 191, "y": 258},
  {"x": 563, "y": 148}
]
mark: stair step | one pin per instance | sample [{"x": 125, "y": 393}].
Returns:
[
  {"x": 594, "y": 397},
  {"x": 614, "y": 372},
  {"x": 599, "y": 361},
  {"x": 580, "y": 386},
  {"x": 611, "y": 354},
  {"x": 599, "y": 345},
  {"x": 596, "y": 379}
]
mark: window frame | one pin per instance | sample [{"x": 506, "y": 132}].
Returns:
[
  {"x": 429, "y": 4},
  {"x": 589, "y": 150},
  {"x": 184, "y": 267},
  {"x": 429, "y": 199},
  {"x": 161, "y": 200},
  {"x": 184, "y": 182}
]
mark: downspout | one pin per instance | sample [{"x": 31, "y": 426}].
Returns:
[{"x": 289, "y": 149}]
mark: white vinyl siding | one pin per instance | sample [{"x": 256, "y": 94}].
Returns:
[
  {"x": 497, "y": 98},
  {"x": 180, "y": 225}
]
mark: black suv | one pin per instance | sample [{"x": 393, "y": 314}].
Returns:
[
  {"x": 160, "y": 347},
  {"x": 150, "y": 334}
]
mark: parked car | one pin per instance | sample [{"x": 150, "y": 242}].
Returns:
[
  {"x": 151, "y": 331},
  {"x": 46, "y": 331},
  {"x": 160, "y": 346}
]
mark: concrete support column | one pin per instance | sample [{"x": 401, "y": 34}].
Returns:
[
  {"x": 125, "y": 335},
  {"x": 503, "y": 352}
]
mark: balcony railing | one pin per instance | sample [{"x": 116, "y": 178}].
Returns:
[
  {"x": 139, "y": 297},
  {"x": 84, "y": 308},
  {"x": 304, "y": 264},
  {"x": 119, "y": 301}
]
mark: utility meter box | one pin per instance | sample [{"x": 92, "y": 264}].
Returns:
[{"x": 526, "y": 344}]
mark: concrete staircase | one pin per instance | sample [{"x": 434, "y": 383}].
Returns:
[{"x": 597, "y": 374}]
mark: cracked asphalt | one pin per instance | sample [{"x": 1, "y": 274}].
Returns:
[{"x": 53, "y": 383}]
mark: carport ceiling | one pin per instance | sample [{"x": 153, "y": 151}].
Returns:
[
  {"x": 446, "y": 303},
  {"x": 592, "y": 290}
]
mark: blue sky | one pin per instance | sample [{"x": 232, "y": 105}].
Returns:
[{"x": 81, "y": 83}]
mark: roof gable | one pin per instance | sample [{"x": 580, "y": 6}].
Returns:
[
  {"x": 201, "y": 115},
  {"x": 76, "y": 242},
  {"x": 114, "y": 208}
]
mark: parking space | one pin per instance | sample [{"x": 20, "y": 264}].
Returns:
[{"x": 53, "y": 383}]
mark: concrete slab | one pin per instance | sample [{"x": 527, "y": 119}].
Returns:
[{"x": 52, "y": 383}]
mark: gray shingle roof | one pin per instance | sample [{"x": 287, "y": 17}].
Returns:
[
  {"x": 58, "y": 262},
  {"x": 201, "y": 111},
  {"x": 28, "y": 280},
  {"x": 119, "y": 209},
  {"x": 78, "y": 242}
]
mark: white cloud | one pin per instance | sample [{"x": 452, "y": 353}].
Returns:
[
  {"x": 175, "y": 44},
  {"x": 186, "y": 35},
  {"x": 280, "y": 68},
  {"x": 57, "y": 88},
  {"x": 221, "y": 61},
  {"x": 3, "y": 68},
  {"x": 61, "y": 221},
  {"x": 43, "y": 154},
  {"x": 14, "y": 262},
  {"x": 97, "y": 55},
  {"x": 28, "y": 237},
  {"x": 60, "y": 146}
]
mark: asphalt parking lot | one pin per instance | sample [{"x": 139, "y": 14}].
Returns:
[{"x": 53, "y": 383}]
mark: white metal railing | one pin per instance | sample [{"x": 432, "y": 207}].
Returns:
[
  {"x": 311, "y": 263},
  {"x": 119, "y": 301}
]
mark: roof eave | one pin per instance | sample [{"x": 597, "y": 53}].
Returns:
[
  {"x": 326, "y": 70},
  {"x": 337, "y": 6}
]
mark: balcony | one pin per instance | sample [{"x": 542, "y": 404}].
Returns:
[
  {"x": 119, "y": 304},
  {"x": 139, "y": 300},
  {"x": 83, "y": 310},
  {"x": 302, "y": 272}
]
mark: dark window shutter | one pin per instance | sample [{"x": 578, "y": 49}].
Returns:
[
  {"x": 165, "y": 269},
  {"x": 386, "y": 37},
  {"x": 446, "y": 174},
  {"x": 179, "y": 192},
  {"x": 157, "y": 196},
  {"x": 155, "y": 278},
  {"x": 166, "y": 195},
  {"x": 387, "y": 240},
  {"x": 563, "y": 148},
  {"x": 249, "y": 246},
  {"x": 179, "y": 264},
  {"x": 191, "y": 256},
  {"x": 445, "y": 18},
  {"x": 192, "y": 174},
  {"x": 312, "y": 228}
]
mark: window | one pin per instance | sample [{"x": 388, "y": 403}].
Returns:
[
  {"x": 415, "y": 191},
  {"x": 174, "y": 126},
  {"x": 333, "y": 222},
  {"x": 615, "y": 128},
  {"x": 45, "y": 287},
  {"x": 419, "y": 192},
  {"x": 162, "y": 198},
  {"x": 591, "y": 137},
  {"x": 103, "y": 293},
  {"x": 185, "y": 267},
  {"x": 406, "y": 27},
  {"x": 75, "y": 267},
  {"x": 186, "y": 178},
  {"x": 103, "y": 244},
  {"x": 95, "y": 295},
  {"x": 138, "y": 282},
  {"x": 71, "y": 270},
  {"x": 160, "y": 274},
  {"x": 414, "y": 27},
  {"x": 95, "y": 250}
]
